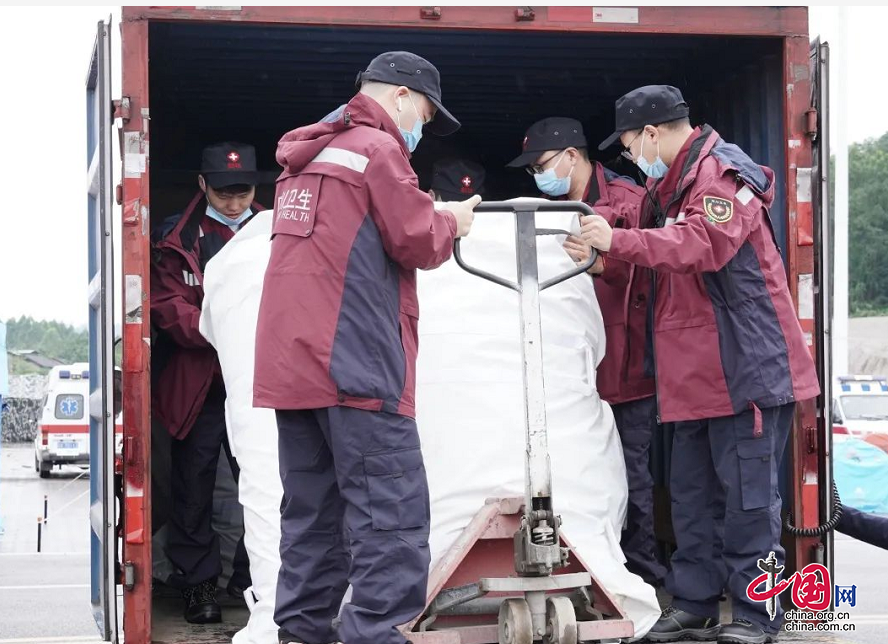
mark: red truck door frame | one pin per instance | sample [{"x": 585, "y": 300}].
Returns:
[{"x": 807, "y": 234}]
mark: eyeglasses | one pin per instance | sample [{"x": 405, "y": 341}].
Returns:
[
  {"x": 627, "y": 153},
  {"x": 539, "y": 168}
]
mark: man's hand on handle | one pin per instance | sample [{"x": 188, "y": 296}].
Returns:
[
  {"x": 579, "y": 252},
  {"x": 464, "y": 211},
  {"x": 596, "y": 232}
]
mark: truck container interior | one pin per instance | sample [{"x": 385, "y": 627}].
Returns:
[{"x": 252, "y": 83}]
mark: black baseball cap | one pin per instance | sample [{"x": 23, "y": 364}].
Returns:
[
  {"x": 229, "y": 164},
  {"x": 457, "y": 179},
  {"x": 648, "y": 105},
  {"x": 415, "y": 72},
  {"x": 554, "y": 133}
]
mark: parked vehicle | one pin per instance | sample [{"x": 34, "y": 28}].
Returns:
[
  {"x": 63, "y": 428},
  {"x": 860, "y": 406}
]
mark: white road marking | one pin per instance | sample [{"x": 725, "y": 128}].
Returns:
[
  {"x": 52, "y": 640},
  {"x": 45, "y": 587},
  {"x": 83, "y": 553}
]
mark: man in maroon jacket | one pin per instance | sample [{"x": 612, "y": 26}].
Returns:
[
  {"x": 336, "y": 346},
  {"x": 731, "y": 359},
  {"x": 188, "y": 392},
  {"x": 555, "y": 153}
]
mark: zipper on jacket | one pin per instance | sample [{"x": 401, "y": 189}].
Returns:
[
  {"x": 654, "y": 343},
  {"x": 627, "y": 349}
]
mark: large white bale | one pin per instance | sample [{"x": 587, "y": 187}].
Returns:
[
  {"x": 469, "y": 405},
  {"x": 470, "y": 408}
]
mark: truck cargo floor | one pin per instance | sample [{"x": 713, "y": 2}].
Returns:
[{"x": 170, "y": 627}]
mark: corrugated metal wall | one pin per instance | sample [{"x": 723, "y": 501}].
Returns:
[
  {"x": 250, "y": 82},
  {"x": 747, "y": 109}
]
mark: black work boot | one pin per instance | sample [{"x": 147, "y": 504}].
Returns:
[
  {"x": 675, "y": 625},
  {"x": 742, "y": 631},
  {"x": 201, "y": 606}
]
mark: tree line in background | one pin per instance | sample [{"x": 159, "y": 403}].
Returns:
[
  {"x": 868, "y": 227},
  {"x": 49, "y": 338}
]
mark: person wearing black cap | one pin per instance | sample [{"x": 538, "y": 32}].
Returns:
[
  {"x": 729, "y": 355},
  {"x": 336, "y": 347},
  {"x": 188, "y": 392},
  {"x": 555, "y": 152},
  {"x": 456, "y": 180}
]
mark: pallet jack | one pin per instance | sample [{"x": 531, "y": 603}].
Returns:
[{"x": 498, "y": 581}]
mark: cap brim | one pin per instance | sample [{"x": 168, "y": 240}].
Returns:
[
  {"x": 609, "y": 141},
  {"x": 447, "y": 195},
  {"x": 525, "y": 159},
  {"x": 444, "y": 122},
  {"x": 225, "y": 179}
]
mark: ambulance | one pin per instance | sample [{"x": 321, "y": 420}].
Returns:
[
  {"x": 860, "y": 406},
  {"x": 63, "y": 428}
]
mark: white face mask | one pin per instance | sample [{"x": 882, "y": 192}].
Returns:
[
  {"x": 550, "y": 183},
  {"x": 411, "y": 137},
  {"x": 228, "y": 221},
  {"x": 655, "y": 170}
]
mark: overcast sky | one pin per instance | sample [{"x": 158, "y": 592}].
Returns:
[{"x": 43, "y": 61}]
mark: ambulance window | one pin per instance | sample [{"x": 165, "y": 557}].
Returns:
[
  {"x": 865, "y": 407},
  {"x": 69, "y": 407}
]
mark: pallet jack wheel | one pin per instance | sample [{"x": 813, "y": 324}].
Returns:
[
  {"x": 561, "y": 621},
  {"x": 515, "y": 623}
]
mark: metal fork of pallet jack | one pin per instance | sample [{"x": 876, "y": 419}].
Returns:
[{"x": 538, "y": 550}]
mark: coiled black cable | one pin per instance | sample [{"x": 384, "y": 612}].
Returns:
[{"x": 820, "y": 530}]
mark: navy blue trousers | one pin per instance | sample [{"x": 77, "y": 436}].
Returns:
[
  {"x": 637, "y": 422},
  {"x": 726, "y": 509},
  {"x": 355, "y": 510},
  {"x": 192, "y": 544}
]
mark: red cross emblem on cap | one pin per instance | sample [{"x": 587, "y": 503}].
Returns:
[
  {"x": 467, "y": 181},
  {"x": 234, "y": 157}
]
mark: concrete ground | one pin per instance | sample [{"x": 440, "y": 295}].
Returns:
[{"x": 43, "y": 595}]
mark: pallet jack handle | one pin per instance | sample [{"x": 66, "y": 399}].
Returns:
[
  {"x": 537, "y": 544},
  {"x": 524, "y": 210}
]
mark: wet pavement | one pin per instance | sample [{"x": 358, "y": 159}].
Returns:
[{"x": 44, "y": 596}]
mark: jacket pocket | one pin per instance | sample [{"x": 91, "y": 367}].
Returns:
[
  {"x": 754, "y": 456},
  {"x": 690, "y": 378},
  {"x": 408, "y": 319},
  {"x": 398, "y": 490}
]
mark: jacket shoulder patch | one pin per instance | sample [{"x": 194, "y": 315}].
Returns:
[
  {"x": 717, "y": 209},
  {"x": 744, "y": 195}
]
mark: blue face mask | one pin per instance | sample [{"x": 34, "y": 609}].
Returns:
[
  {"x": 655, "y": 170},
  {"x": 411, "y": 137},
  {"x": 549, "y": 183},
  {"x": 228, "y": 221}
]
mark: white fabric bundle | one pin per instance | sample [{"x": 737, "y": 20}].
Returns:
[
  {"x": 470, "y": 409},
  {"x": 469, "y": 404}
]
